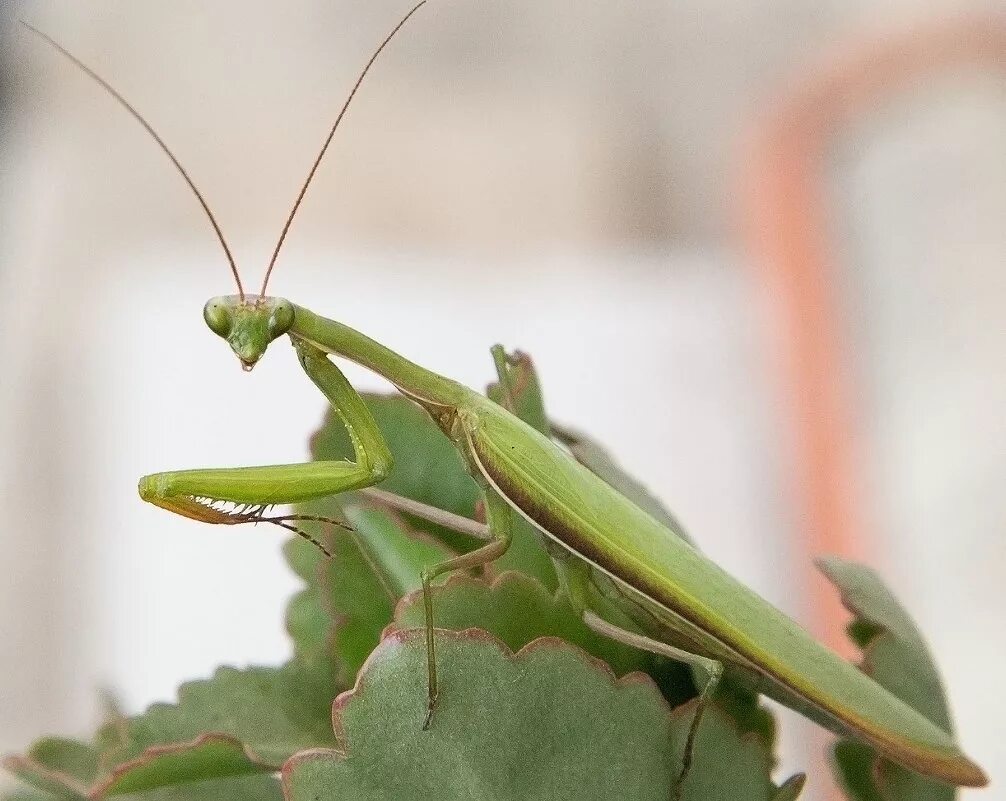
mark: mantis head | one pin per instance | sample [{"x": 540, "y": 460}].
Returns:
[{"x": 249, "y": 323}]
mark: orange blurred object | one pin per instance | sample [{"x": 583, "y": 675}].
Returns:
[{"x": 787, "y": 216}]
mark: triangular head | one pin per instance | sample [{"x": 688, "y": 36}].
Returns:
[{"x": 249, "y": 323}]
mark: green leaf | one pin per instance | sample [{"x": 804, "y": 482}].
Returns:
[
  {"x": 791, "y": 789},
  {"x": 238, "y": 788},
  {"x": 349, "y": 599},
  {"x": 728, "y": 763},
  {"x": 548, "y": 722},
  {"x": 271, "y": 712},
  {"x": 369, "y": 571},
  {"x": 896, "y": 656},
  {"x": 360, "y": 604},
  {"x": 208, "y": 756},
  {"x": 545, "y": 722},
  {"x": 854, "y": 763},
  {"x": 309, "y": 619},
  {"x": 56, "y": 765},
  {"x": 397, "y": 553},
  {"x": 516, "y": 609},
  {"x": 743, "y": 705},
  {"x": 428, "y": 469},
  {"x": 237, "y": 723},
  {"x": 235, "y": 788},
  {"x": 310, "y": 626}
]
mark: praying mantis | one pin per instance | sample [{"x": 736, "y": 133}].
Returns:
[{"x": 609, "y": 553}]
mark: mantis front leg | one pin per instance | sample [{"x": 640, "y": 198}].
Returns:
[
  {"x": 239, "y": 495},
  {"x": 231, "y": 496}
]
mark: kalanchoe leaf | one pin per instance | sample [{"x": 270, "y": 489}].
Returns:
[
  {"x": 209, "y": 756},
  {"x": 397, "y": 553},
  {"x": 370, "y": 569},
  {"x": 309, "y": 619},
  {"x": 236, "y": 788},
  {"x": 310, "y": 626},
  {"x": 791, "y": 789},
  {"x": 340, "y": 617},
  {"x": 205, "y": 757},
  {"x": 238, "y": 722},
  {"x": 271, "y": 712},
  {"x": 862, "y": 631},
  {"x": 516, "y": 609},
  {"x": 854, "y": 763},
  {"x": 896, "y": 656},
  {"x": 900, "y": 784},
  {"x": 895, "y": 640},
  {"x": 427, "y": 469},
  {"x": 727, "y": 763},
  {"x": 358, "y": 602},
  {"x": 744, "y": 707},
  {"x": 56, "y": 765},
  {"x": 549, "y": 722}
]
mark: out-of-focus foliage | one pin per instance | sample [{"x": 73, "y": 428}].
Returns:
[{"x": 894, "y": 654}]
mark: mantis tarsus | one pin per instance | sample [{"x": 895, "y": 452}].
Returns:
[{"x": 609, "y": 550}]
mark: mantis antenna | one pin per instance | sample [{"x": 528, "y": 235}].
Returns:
[
  {"x": 178, "y": 166},
  {"x": 150, "y": 130},
  {"x": 328, "y": 141}
]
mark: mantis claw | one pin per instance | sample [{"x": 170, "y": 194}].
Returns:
[{"x": 429, "y": 711}]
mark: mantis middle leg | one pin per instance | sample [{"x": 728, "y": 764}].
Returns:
[{"x": 499, "y": 521}]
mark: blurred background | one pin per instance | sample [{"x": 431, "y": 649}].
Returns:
[{"x": 754, "y": 247}]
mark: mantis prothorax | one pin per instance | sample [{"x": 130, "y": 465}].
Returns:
[{"x": 609, "y": 550}]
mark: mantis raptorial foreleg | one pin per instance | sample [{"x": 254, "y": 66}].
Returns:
[
  {"x": 373, "y": 460},
  {"x": 232, "y": 496}
]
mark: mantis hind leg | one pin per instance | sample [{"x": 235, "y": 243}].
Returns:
[
  {"x": 499, "y": 518},
  {"x": 712, "y": 670}
]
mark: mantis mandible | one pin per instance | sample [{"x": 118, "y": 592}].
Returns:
[{"x": 606, "y": 549}]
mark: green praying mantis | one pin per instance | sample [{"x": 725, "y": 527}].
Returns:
[{"x": 609, "y": 554}]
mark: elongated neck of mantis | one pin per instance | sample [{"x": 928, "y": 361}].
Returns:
[{"x": 341, "y": 340}]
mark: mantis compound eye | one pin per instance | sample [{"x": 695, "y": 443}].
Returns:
[
  {"x": 217, "y": 314},
  {"x": 281, "y": 318}
]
